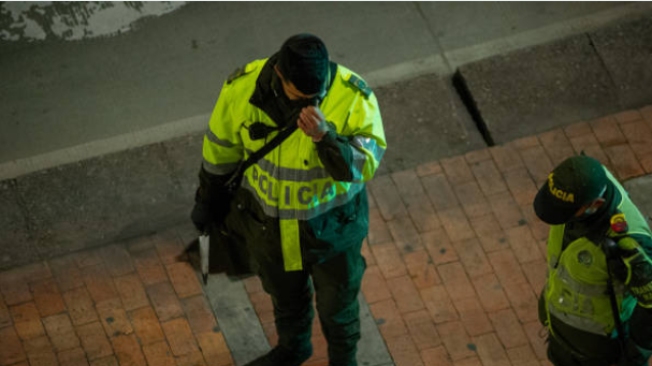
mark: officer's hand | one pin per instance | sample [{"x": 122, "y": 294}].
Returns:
[
  {"x": 313, "y": 123},
  {"x": 201, "y": 216},
  {"x": 639, "y": 270}
]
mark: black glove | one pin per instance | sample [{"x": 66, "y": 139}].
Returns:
[
  {"x": 639, "y": 270},
  {"x": 202, "y": 216}
]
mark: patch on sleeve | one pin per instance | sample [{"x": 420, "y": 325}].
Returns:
[
  {"x": 360, "y": 84},
  {"x": 242, "y": 70}
]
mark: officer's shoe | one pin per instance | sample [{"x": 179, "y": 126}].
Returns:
[{"x": 280, "y": 356}]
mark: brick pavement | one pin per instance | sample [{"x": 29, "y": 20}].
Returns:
[
  {"x": 456, "y": 259},
  {"x": 456, "y": 254}
]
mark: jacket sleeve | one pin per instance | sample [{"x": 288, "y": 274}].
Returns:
[
  {"x": 354, "y": 155},
  {"x": 222, "y": 149}
]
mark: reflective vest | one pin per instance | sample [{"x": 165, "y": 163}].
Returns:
[
  {"x": 291, "y": 183},
  {"x": 577, "y": 292}
]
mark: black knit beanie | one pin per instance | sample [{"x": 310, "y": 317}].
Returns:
[{"x": 303, "y": 60}]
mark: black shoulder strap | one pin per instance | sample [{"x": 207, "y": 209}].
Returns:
[{"x": 253, "y": 158}]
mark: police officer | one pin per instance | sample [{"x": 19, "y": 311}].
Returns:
[
  {"x": 302, "y": 209},
  {"x": 597, "y": 302}
]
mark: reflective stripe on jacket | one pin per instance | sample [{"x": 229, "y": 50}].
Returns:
[{"x": 576, "y": 291}]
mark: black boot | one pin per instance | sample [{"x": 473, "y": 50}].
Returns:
[{"x": 280, "y": 356}]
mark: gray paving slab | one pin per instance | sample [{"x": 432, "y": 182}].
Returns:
[
  {"x": 16, "y": 248},
  {"x": 101, "y": 200},
  {"x": 640, "y": 191},
  {"x": 626, "y": 50},
  {"x": 539, "y": 88},
  {"x": 424, "y": 121}
]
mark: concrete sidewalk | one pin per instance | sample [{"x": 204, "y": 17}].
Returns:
[{"x": 452, "y": 279}]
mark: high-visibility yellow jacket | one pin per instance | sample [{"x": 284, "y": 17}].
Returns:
[{"x": 300, "y": 180}]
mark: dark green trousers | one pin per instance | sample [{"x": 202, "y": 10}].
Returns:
[{"x": 334, "y": 273}]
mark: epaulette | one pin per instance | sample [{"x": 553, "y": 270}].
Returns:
[
  {"x": 618, "y": 223},
  {"x": 360, "y": 84},
  {"x": 242, "y": 70}
]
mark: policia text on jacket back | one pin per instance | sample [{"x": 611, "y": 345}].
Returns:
[
  {"x": 302, "y": 209},
  {"x": 597, "y": 302}
]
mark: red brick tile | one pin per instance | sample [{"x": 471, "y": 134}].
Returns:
[
  {"x": 47, "y": 297},
  {"x": 537, "y": 163},
  {"x": 506, "y": 267},
  {"x": 27, "y": 273},
  {"x": 159, "y": 354},
  {"x": 488, "y": 231},
  {"x": 456, "y": 224},
  {"x": 478, "y": 155},
  {"x": 106, "y": 361},
  {"x": 522, "y": 356},
  {"x": 253, "y": 284},
  {"x": 191, "y": 359},
  {"x": 422, "y": 329},
  {"x": 61, "y": 332},
  {"x": 436, "y": 357},
  {"x": 472, "y": 199},
  {"x": 38, "y": 345},
  {"x": 457, "y": 341},
  {"x": 539, "y": 228},
  {"x": 149, "y": 267},
  {"x": 366, "y": 253},
  {"x": 128, "y": 351},
  {"x": 387, "y": 197},
  {"x": 439, "y": 304},
  {"x": 628, "y": 116},
  {"x": 516, "y": 287},
  {"x": 536, "y": 273},
  {"x": 534, "y": 333},
  {"x": 578, "y": 129},
  {"x": 94, "y": 341},
  {"x": 588, "y": 144},
  {"x": 508, "y": 328},
  {"x": 11, "y": 350},
  {"x": 263, "y": 305},
  {"x": 114, "y": 318},
  {"x": 199, "y": 314},
  {"x": 139, "y": 244},
  {"x": 27, "y": 320},
  {"x": 525, "y": 143},
  {"x": 490, "y": 350},
  {"x": 184, "y": 279},
  {"x": 457, "y": 170},
  {"x": 473, "y": 316},
  {"x": 439, "y": 191},
  {"x": 406, "y": 237},
  {"x": 215, "y": 350},
  {"x": 99, "y": 283},
  {"x": 389, "y": 260},
  {"x": 439, "y": 246},
  {"x": 270, "y": 332},
  {"x": 146, "y": 325},
  {"x": 412, "y": 192},
  {"x": 403, "y": 351},
  {"x": 165, "y": 301},
  {"x": 70, "y": 278},
  {"x": 523, "y": 244},
  {"x": 14, "y": 291},
  {"x": 87, "y": 258},
  {"x": 45, "y": 357},
  {"x": 117, "y": 260},
  {"x": 490, "y": 293},
  {"x": 421, "y": 269},
  {"x": 624, "y": 161},
  {"x": 646, "y": 112},
  {"x": 506, "y": 210},
  {"x": 405, "y": 293},
  {"x": 607, "y": 132},
  {"x": 430, "y": 168},
  {"x": 72, "y": 357},
  {"x": 180, "y": 336},
  {"x": 506, "y": 158},
  {"x": 473, "y": 257},
  {"x": 388, "y": 319},
  {"x": 80, "y": 306},
  {"x": 639, "y": 136},
  {"x": 169, "y": 248},
  {"x": 472, "y": 361},
  {"x": 556, "y": 145},
  {"x": 521, "y": 185},
  {"x": 378, "y": 231},
  {"x": 455, "y": 280},
  {"x": 374, "y": 286},
  {"x": 131, "y": 291},
  {"x": 489, "y": 178},
  {"x": 5, "y": 316}
]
